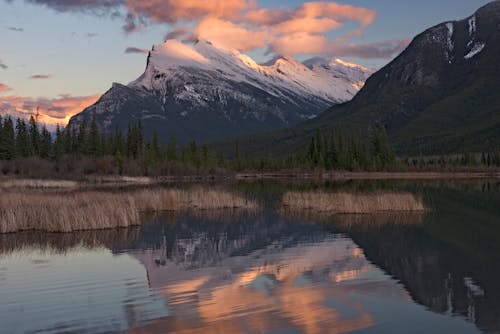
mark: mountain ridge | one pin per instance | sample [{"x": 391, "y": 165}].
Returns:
[
  {"x": 438, "y": 96},
  {"x": 201, "y": 92}
]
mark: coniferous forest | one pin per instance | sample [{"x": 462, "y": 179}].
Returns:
[{"x": 27, "y": 148}]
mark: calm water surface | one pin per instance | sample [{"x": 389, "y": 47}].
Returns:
[{"x": 265, "y": 273}]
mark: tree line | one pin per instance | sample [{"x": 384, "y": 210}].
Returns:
[{"x": 332, "y": 150}]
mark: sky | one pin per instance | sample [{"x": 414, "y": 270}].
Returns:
[{"x": 61, "y": 55}]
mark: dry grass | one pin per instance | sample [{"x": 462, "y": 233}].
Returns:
[
  {"x": 37, "y": 183},
  {"x": 66, "y": 212},
  {"x": 196, "y": 198},
  {"x": 352, "y": 202},
  {"x": 59, "y": 212}
]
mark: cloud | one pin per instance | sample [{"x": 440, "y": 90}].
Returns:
[
  {"x": 232, "y": 36},
  {"x": 174, "y": 11},
  {"x": 134, "y": 24},
  {"x": 4, "y": 88},
  {"x": 132, "y": 49},
  {"x": 179, "y": 33},
  {"x": 316, "y": 44},
  {"x": 83, "y": 6},
  {"x": 52, "y": 111},
  {"x": 381, "y": 50},
  {"x": 245, "y": 25},
  {"x": 17, "y": 29},
  {"x": 40, "y": 76}
]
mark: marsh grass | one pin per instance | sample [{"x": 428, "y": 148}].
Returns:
[
  {"x": 195, "y": 198},
  {"x": 38, "y": 183},
  {"x": 354, "y": 203},
  {"x": 90, "y": 210}
]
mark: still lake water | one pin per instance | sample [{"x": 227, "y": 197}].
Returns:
[{"x": 266, "y": 272}]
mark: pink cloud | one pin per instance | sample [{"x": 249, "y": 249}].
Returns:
[
  {"x": 318, "y": 44},
  {"x": 245, "y": 26},
  {"x": 52, "y": 111},
  {"x": 229, "y": 35},
  {"x": 4, "y": 88},
  {"x": 40, "y": 76},
  {"x": 174, "y": 11}
]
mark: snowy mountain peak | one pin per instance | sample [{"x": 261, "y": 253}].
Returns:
[
  {"x": 201, "y": 92},
  {"x": 332, "y": 80}
]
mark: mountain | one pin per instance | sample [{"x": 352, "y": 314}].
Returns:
[
  {"x": 201, "y": 92},
  {"x": 440, "y": 95}
]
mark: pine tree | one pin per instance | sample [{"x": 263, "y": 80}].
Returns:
[
  {"x": 7, "y": 141},
  {"x": 237, "y": 156},
  {"x": 23, "y": 145},
  {"x": 93, "y": 140},
  {"x": 205, "y": 157},
  {"x": 193, "y": 153},
  {"x": 59, "y": 143},
  {"x": 172, "y": 149},
  {"x": 34, "y": 136},
  {"x": 81, "y": 140},
  {"x": 332, "y": 156},
  {"x": 311, "y": 153},
  {"x": 155, "y": 146},
  {"x": 45, "y": 143}
]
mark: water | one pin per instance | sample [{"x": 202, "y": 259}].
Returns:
[{"x": 265, "y": 272}]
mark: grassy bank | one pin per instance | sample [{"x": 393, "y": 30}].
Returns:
[
  {"x": 90, "y": 210},
  {"x": 354, "y": 203}
]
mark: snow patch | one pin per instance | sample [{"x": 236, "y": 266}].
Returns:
[
  {"x": 475, "y": 289},
  {"x": 472, "y": 25},
  {"x": 449, "y": 25},
  {"x": 478, "y": 47}
]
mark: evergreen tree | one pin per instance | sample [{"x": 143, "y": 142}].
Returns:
[
  {"x": 81, "y": 140},
  {"x": 45, "y": 143},
  {"x": 172, "y": 149},
  {"x": 34, "y": 136},
  {"x": 204, "y": 152},
  {"x": 237, "y": 156},
  {"x": 155, "y": 146},
  {"x": 7, "y": 141},
  {"x": 59, "y": 143},
  {"x": 93, "y": 140},
  {"x": 23, "y": 145}
]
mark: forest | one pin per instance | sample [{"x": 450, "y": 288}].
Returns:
[{"x": 28, "y": 148}]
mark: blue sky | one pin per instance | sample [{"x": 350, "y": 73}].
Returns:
[{"x": 83, "y": 53}]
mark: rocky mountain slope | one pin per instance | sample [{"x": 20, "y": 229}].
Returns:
[
  {"x": 440, "y": 95},
  {"x": 201, "y": 92}
]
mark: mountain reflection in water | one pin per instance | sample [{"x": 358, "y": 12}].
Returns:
[{"x": 251, "y": 273}]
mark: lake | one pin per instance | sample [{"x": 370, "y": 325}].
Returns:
[{"x": 267, "y": 271}]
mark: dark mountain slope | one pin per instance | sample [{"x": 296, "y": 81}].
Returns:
[{"x": 442, "y": 94}]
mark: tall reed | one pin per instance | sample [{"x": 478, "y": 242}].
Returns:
[
  {"x": 344, "y": 202},
  {"x": 68, "y": 212}
]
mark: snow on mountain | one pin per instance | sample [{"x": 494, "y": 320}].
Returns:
[
  {"x": 477, "y": 48},
  {"x": 335, "y": 81},
  {"x": 201, "y": 92}
]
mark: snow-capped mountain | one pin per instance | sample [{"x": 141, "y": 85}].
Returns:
[
  {"x": 440, "y": 95},
  {"x": 202, "y": 92}
]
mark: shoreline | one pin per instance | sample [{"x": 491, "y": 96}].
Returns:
[
  {"x": 7, "y": 182},
  {"x": 346, "y": 176}
]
